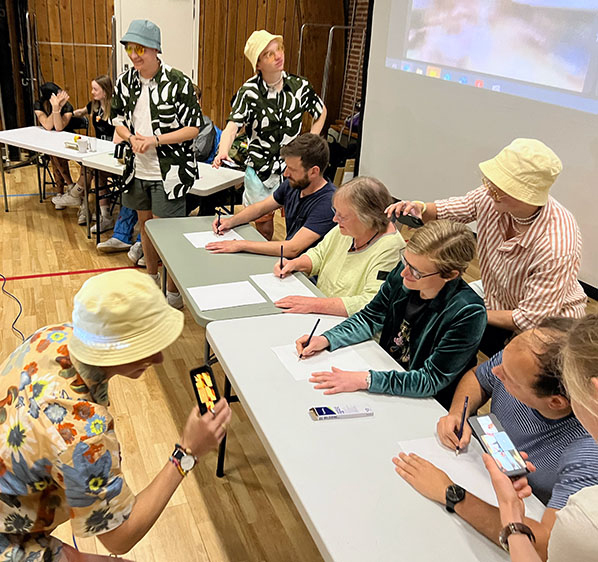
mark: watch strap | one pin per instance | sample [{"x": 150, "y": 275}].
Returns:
[
  {"x": 516, "y": 528},
  {"x": 177, "y": 455}
]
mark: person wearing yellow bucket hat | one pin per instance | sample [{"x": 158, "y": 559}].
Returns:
[
  {"x": 270, "y": 106},
  {"x": 529, "y": 245},
  {"x": 60, "y": 454}
]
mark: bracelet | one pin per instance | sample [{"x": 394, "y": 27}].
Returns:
[
  {"x": 514, "y": 529},
  {"x": 423, "y": 204},
  {"x": 368, "y": 380},
  {"x": 178, "y": 465},
  {"x": 157, "y": 140}
]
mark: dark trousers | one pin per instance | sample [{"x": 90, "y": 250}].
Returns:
[{"x": 494, "y": 340}]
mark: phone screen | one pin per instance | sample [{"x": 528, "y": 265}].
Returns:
[
  {"x": 205, "y": 388},
  {"x": 498, "y": 444}
]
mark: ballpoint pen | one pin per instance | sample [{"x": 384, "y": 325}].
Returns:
[
  {"x": 309, "y": 339},
  {"x": 460, "y": 432}
]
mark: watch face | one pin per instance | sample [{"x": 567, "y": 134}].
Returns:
[
  {"x": 455, "y": 493},
  {"x": 187, "y": 462}
]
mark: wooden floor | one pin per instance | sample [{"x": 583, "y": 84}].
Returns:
[{"x": 245, "y": 516}]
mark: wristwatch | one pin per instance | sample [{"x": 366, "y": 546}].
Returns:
[
  {"x": 514, "y": 529},
  {"x": 183, "y": 459},
  {"x": 454, "y": 495}
]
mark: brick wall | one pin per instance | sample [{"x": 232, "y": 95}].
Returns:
[{"x": 357, "y": 16}]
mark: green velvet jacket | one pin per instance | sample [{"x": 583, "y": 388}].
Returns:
[{"x": 443, "y": 342}]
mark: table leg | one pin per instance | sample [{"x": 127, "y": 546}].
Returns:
[
  {"x": 98, "y": 218},
  {"x": 86, "y": 201},
  {"x": 4, "y": 182},
  {"x": 222, "y": 447},
  {"x": 39, "y": 181},
  {"x": 164, "y": 279}
]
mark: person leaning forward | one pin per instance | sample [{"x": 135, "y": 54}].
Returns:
[
  {"x": 155, "y": 109},
  {"x": 61, "y": 456},
  {"x": 529, "y": 245}
]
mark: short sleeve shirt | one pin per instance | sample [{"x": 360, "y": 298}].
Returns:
[
  {"x": 565, "y": 455},
  {"x": 313, "y": 211},
  {"x": 60, "y": 458},
  {"x": 66, "y": 108},
  {"x": 272, "y": 119}
]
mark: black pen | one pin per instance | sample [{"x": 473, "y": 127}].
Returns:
[
  {"x": 281, "y": 264},
  {"x": 309, "y": 339},
  {"x": 218, "y": 223},
  {"x": 460, "y": 433}
]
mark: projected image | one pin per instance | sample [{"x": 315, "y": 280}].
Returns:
[{"x": 541, "y": 49}]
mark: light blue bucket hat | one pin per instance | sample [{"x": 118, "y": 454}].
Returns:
[{"x": 143, "y": 32}]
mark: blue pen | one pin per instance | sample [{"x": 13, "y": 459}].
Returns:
[{"x": 460, "y": 433}]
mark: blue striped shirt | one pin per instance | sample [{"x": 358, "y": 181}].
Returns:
[{"x": 564, "y": 453}]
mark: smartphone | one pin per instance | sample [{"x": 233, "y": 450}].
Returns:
[
  {"x": 498, "y": 444},
  {"x": 409, "y": 220},
  {"x": 204, "y": 386},
  {"x": 319, "y": 413}
]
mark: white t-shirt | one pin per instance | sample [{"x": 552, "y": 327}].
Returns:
[
  {"x": 147, "y": 166},
  {"x": 574, "y": 537}
]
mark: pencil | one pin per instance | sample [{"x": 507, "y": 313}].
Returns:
[
  {"x": 281, "y": 264},
  {"x": 309, "y": 339},
  {"x": 460, "y": 433}
]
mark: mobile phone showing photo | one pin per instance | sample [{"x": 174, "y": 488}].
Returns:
[
  {"x": 498, "y": 445},
  {"x": 204, "y": 386}
]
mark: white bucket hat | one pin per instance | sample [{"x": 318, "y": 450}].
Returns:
[
  {"x": 256, "y": 43},
  {"x": 120, "y": 317}
]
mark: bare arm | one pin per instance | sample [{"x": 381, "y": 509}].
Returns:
[
  {"x": 318, "y": 124},
  {"x": 501, "y": 319},
  {"x": 81, "y": 112},
  {"x": 46, "y": 121},
  {"x": 226, "y": 141},
  {"x": 413, "y": 208}
]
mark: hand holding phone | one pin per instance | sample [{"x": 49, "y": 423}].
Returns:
[
  {"x": 410, "y": 220},
  {"x": 498, "y": 445},
  {"x": 204, "y": 386}
]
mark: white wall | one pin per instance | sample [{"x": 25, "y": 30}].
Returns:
[{"x": 425, "y": 137}]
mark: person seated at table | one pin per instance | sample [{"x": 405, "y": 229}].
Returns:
[
  {"x": 98, "y": 112},
  {"x": 305, "y": 195},
  {"x": 431, "y": 320},
  {"x": 574, "y": 535},
  {"x": 61, "y": 457},
  {"x": 529, "y": 244},
  {"x": 354, "y": 258},
  {"x": 54, "y": 112},
  {"x": 530, "y": 401}
]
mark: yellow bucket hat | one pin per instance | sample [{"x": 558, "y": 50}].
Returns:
[
  {"x": 256, "y": 43},
  {"x": 120, "y": 317},
  {"x": 524, "y": 170}
]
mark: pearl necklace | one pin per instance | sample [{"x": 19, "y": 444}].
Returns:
[{"x": 526, "y": 220}]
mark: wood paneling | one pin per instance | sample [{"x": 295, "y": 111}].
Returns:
[{"x": 73, "y": 21}]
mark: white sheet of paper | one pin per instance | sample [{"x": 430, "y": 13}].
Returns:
[
  {"x": 467, "y": 469},
  {"x": 200, "y": 239},
  {"x": 277, "y": 288},
  {"x": 225, "y": 295},
  {"x": 344, "y": 358}
]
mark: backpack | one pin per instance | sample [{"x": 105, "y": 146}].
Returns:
[{"x": 203, "y": 143}]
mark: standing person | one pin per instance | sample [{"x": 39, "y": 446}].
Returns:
[
  {"x": 529, "y": 244},
  {"x": 60, "y": 451},
  {"x": 574, "y": 536},
  {"x": 154, "y": 108},
  {"x": 98, "y": 112},
  {"x": 270, "y": 106},
  {"x": 54, "y": 112}
]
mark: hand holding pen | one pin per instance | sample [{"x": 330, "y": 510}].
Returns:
[
  {"x": 460, "y": 432},
  {"x": 308, "y": 345}
]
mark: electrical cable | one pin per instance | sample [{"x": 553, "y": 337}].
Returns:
[{"x": 13, "y": 327}]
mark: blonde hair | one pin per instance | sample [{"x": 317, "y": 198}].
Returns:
[
  {"x": 368, "y": 197},
  {"x": 580, "y": 357},
  {"x": 448, "y": 245}
]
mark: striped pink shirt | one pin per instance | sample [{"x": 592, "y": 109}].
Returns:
[{"x": 533, "y": 274}]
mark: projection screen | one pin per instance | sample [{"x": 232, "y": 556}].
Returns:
[{"x": 450, "y": 82}]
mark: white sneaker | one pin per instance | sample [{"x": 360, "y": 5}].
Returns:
[
  {"x": 175, "y": 300},
  {"x": 81, "y": 216},
  {"x": 67, "y": 200},
  {"x": 135, "y": 252},
  {"x": 156, "y": 279},
  {"x": 106, "y": 223},
  {"x": 141, "y": 262},
  {"x": 113, "y": 245}
]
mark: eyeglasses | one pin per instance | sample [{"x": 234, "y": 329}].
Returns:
[
  {"x": 416, "y": 273},
  {"x": 337, "y": 215},
  {"x": 492, "y": 189},
  {"x": 270, "y": 55},
  {"x": 139, "y": 49}
]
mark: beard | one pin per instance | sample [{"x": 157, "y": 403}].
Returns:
[{"x": 300, "y": 184}]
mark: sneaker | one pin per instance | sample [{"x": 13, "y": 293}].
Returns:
[
  {"x": 156, "y": 279},
  {"x": 67, "y": 200},
  {"x": 175, "y": 300},
  {"x": 113, "y": 245},
  {"x": 141, "y": 262},
  {"x": 81, "y": 216},
  {"x": 135, "y": 252},
  {"x": 106, "y": 223}
]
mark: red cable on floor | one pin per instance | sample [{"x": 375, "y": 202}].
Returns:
[{"x": 60, "y": 273}]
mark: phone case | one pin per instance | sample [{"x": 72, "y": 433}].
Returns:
[{"x": 204, "y": 386}]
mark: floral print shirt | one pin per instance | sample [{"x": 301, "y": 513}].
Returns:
[
  {"x": 273, "y": 119},
  {"x": 59, "y": 455},
  {"x": 173, "y": 105}
]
